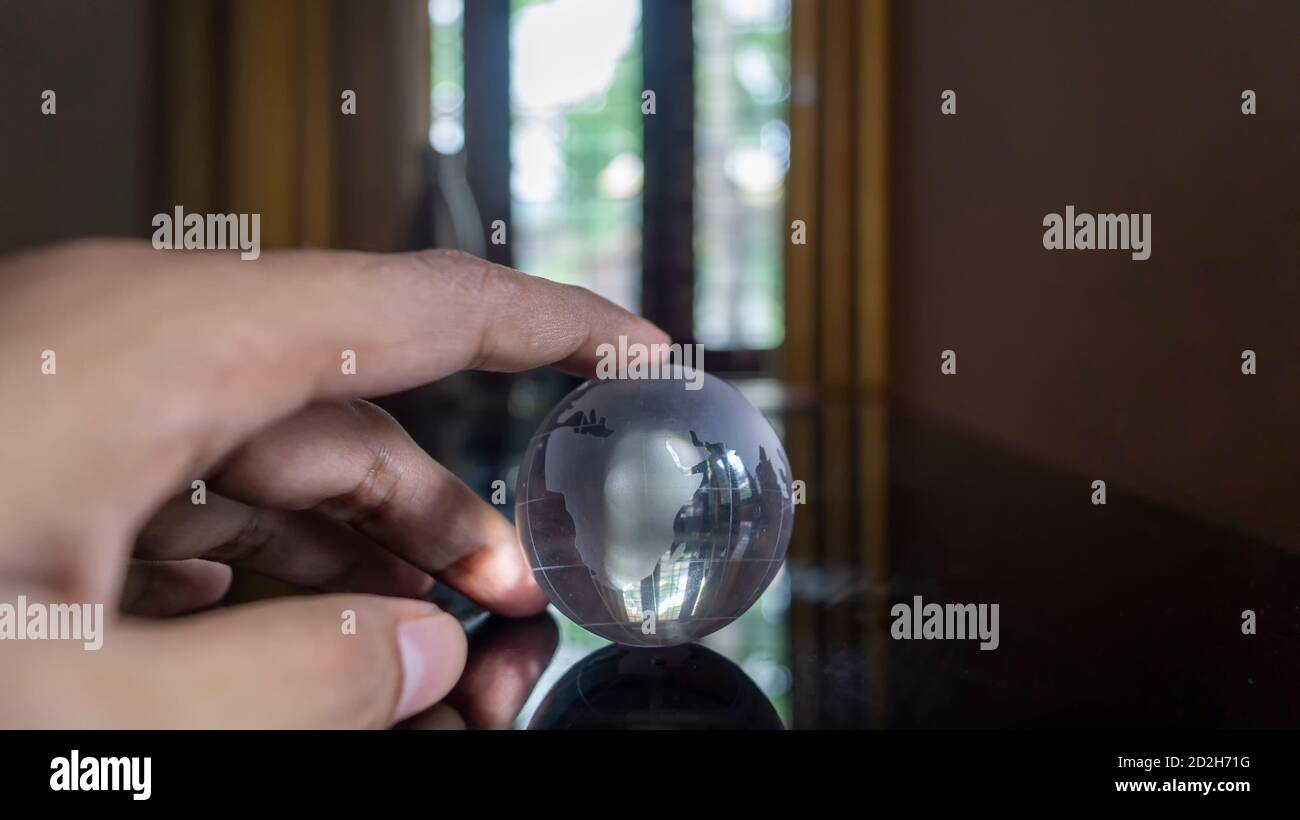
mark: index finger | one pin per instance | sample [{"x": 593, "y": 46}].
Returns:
[
  {"x": 416, "y": 317},
  {"x": 184, "y": 354},
  {"x": 346, "y": 325},
  {"x": 253, "y": 341}
]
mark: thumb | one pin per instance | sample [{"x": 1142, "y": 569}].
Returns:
[{"x": 289, "y": 663}]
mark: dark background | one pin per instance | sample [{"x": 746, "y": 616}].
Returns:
[{"x": 1119, "y": 369}]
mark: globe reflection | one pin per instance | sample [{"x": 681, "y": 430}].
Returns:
[{"x": 681, "y": 687}]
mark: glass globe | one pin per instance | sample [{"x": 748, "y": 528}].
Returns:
[{"x": 653, "y": 514}]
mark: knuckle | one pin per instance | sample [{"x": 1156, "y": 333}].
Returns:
[
  {"x": 439, "y": 258},
  {"x": 476, "y": 277},
  {"x": 452, "y": 267},
  {"x": 373, "y": 494}
]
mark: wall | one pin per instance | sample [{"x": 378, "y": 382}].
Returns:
[
  {"x": 86, "y": 169},
  {"x": 1112, "y": 368}
]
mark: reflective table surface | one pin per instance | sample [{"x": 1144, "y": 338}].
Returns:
[{"x": 1123, "y": 615}]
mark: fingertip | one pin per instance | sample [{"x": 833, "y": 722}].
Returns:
[
  {"x": 525, "y": 601},
  {"x": 499, "y": 579},
  {"x": 215, "y": 581},
  {"x": 433, "y": 650}
]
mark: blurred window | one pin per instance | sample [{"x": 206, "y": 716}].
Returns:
[
  {"x": 577, "y": 161},
  {"x": 575, "y": 143},
  {"x": 447, "y": 27},
  {"x": 742, "y": 152}
]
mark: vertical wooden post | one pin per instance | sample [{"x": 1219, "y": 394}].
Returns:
[{"x": 837, "y": 335}]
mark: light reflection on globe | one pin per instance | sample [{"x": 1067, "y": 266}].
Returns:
[{"x": 651, "y": 514}]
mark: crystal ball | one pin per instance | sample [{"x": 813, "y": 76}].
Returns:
[{"x": 653, "y": 514}]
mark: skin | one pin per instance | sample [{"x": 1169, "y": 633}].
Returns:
[{"x": 179, "y": 365}]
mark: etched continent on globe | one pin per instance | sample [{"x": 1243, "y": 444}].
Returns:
[{"x": 654, "y": 515}]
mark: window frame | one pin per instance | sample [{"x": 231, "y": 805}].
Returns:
[{"x": 668, "y": 273}]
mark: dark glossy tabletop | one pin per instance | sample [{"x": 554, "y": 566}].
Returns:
[{"x": 1122, "y": 615}]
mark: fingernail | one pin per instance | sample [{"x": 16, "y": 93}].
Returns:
[{"x": 433, "y": 654}]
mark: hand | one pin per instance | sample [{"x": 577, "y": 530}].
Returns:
[{"x": 174, "y": 366}]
